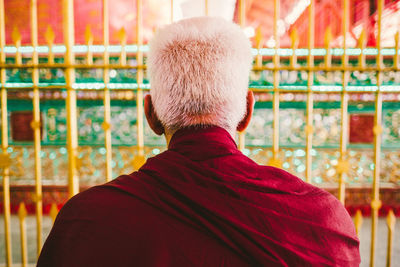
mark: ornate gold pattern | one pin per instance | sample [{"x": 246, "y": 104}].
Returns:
[
  {"x": 49, "y": 35},
  {"x": 275, "y": 162},
  {"x": 376, "y": 204},
  {"x": 307, "y": 155},
  {"x": 53, "y": 212},
  {"x": 343, "y": 166},
  {"x": 35, "y": 125},
  {"x": 138, "y": 161},
  {"x": 358, "y": 219},
  {"x": 22, "y": 213},
  {"x": 5, "y": 160},
  {"x": 377, "y": 129}
]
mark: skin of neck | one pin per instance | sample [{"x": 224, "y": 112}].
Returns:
[{"x": 169, "y": 133}]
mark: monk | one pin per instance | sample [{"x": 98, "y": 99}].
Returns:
[{"x": 201, "y": 202}]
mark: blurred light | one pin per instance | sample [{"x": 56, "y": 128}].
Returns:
[
  {"x": 322, "y": 88},
  {"x": 318, "y": 179},
  {"x": 301, "y": 168},
  {"x": 26, "y": 49},
  {"x": 296, "y": 11},
  {"x": 313, "y": 152},
  {"x": 81, "y": 48},
  {"x": 301, "y": 52},
  {"x": 42, "y": 49},
  {"x": 370, "y": 51},
  {"x": 286, "y": 165},
  {"x": 372, "y": 88},
  {"x": 299, "y": 153},
  {"x": 271, "y": 42},
  {"x": 281, "y": 27},
  {"x": 246, "y": 152},
  {"x": 113, "y": 73},
  {"x": 52, "y": 155},
  {"x": 318, "y": 52},
  {"x": 114, "y": 48},
  {"x": 337, "y": 51},
  {"x": 371, "y": 166},
  {"x": 249, "y": 32}
]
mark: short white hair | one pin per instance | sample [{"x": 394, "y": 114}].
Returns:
[{"x": 199, "y": 73}]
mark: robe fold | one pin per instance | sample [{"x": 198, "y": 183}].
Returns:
[{"x": 203, "y": 203}]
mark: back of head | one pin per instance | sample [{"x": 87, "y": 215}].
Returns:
[{"x": 199, "y": 70}]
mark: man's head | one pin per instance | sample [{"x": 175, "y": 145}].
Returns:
[{"x": 199, "y": 70}]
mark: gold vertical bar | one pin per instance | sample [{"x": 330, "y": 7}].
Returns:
[
  {"x": 241, "y": 141},
  {"x": 275, "y": 100},
  {"x": 36, "y": 127},
  {"x": 376, "y": 203},
  {"x": 72, "y": 130},
  {"x": 390, "y": 221},
  {"x": 50, "y": 56},
  {"x": 242, "y": 12},
  {"x": 16, "y": 36},
  {"x": 107, "y": 104},
  {"x": 49, "y": 36},
  {"x": 53, "y": 212},
  {"x": 361, "y": 45},
  {"x": 172, "y": 11},
  {"x": 343, "y": 165},
  {"x": 358, "y": 221},
  {"x": 397, "y": 47},
  {"x": 22, "y": 228},
  {"x": 139, "y": 78},
  {"x": 242, "y": 16},
  {"x": 294, "y": 43},
  {"x": 123, "y": 47},
  {"x": 259, "y": 45},
  {"x": 89, "y": 43},
  {"x": 310, "y": 99},
  {"x": 328, "y": 55},
  {"x": 4, "y": 139},
  {"x": 206, "y": 7}
]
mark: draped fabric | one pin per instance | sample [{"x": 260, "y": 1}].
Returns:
[{"x": 203, "y": 203}]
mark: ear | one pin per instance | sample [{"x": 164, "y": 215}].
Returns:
[
  {"x": 249, "y": 112},
  {"x": 151, "y": 116}
]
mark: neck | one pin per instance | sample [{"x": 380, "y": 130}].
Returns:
[{"x": 168, "y": 133}]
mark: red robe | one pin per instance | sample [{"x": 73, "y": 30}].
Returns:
[{"x": 202, "y": 203}]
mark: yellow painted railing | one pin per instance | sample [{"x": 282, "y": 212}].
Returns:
[{"x": 69, "y": 66}]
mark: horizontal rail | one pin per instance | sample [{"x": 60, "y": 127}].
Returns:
[
  {"x": 284, "y": 52},
  {"x": 263, "y": 68}
]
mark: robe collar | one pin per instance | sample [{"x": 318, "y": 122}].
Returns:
[{"x": 203, "y": 142}]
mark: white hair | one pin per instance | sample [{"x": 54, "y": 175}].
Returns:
[{"x": 199, "y": 73}]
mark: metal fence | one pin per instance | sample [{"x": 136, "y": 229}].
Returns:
[{"x": 70, "y": 66}]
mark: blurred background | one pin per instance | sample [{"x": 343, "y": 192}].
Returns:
[{"x": 73, "y": 75}]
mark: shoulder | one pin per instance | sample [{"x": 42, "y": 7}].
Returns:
[
  {"x": 104, "y": 219},
  {"x": 318, "y": 203},
  {"x": 287, "y": 182},
  {"x": 88, "y": 199},
  {"x": 107, "y": 206},
  {"x": 97, "y": 202},
  {"x": 325, "y": 218}
]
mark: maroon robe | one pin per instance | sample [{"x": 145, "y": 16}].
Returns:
[{"x": 202, "y": 203}]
